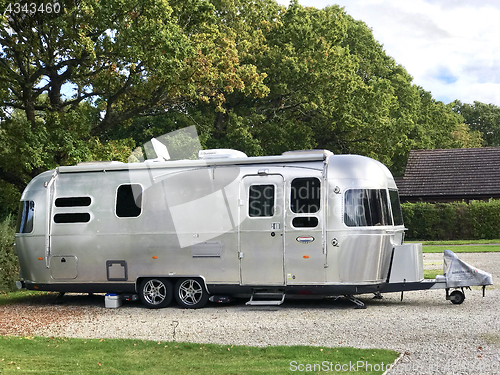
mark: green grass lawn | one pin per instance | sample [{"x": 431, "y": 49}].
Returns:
[
  {"x": 37, "y": 355},
  {"x": 460, "y": 242},
  {"x": 431, "y": 274},
  {"x": 462, "y": 249},
  {"x": 22, "y": 295},
  {"x": 469, "y": 246}
]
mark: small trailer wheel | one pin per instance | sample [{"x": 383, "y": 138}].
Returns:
[
  {"x": 457, "y": 297},
  {"x": 190, "y": 293},
  {"x": 156, "y": 293}
]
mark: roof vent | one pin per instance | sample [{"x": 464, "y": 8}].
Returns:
[{"x": 220, "y": 153}]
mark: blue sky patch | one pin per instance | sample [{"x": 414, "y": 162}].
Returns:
[{"x": 445, "y": 75}]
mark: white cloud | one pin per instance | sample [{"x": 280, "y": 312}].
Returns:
[{"x": 451, "y": 48}]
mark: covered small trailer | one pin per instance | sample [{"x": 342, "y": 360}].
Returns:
[{"x": 301, "y": 223}]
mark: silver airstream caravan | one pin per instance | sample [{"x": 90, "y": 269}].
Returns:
[{"x": 302, "y": 223}]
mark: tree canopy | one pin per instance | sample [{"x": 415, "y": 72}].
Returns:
[
  {"x": 100, "y": 77},
  {"x": 481, "y": 118},
  {"x": 121, "y": 59}
]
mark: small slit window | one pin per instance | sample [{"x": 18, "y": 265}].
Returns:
[
  {"x": 305, "y": 222},
  {"x": 261, "y": 201},
  {"x": 73, "y": 202},
  {"x": 305, "y": 195},
  {"x": 129, "y": 200},
  {"x": 77, "y": 217}
]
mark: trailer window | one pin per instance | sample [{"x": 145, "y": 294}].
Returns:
[
  {"x": 397, "y": 214},
  {"x": 77, "y": 217},
  {"x": 305, "y": 195},
  {"x": 366, "y": 208},
  {"x": 129, "y": 200},
  {"x": 305, "y": 222},
  {"x": 261, "y": 201},
  {"x": 73, "y": 202},
  {"x": 25, "y": 217}
]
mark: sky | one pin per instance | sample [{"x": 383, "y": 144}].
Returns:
[{"x": 450, "y": 47}]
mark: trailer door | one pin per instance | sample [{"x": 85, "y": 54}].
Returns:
[{"x": 261, "y": 230}]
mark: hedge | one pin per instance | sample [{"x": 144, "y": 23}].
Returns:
[
  {"x": 9, "y": 268},
  {"x": 452, "y": 221}
]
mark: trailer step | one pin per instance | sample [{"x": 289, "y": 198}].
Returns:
[{"x": 266, "y": 298}]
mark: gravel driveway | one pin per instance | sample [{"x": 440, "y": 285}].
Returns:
[{"x": 434, "y": 336}]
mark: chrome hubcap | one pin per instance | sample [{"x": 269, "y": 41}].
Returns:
[
  {"x": 155, "y": 292},
  {"x": 190, "y": 292}
]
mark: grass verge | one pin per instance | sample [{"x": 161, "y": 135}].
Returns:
[
  {"x": 431, "y": 274},
  {"x": 460, "y": 246},
  {"x": 20, "y": 296},
  {"x": 458, "y": 242},
  {"x": 462, "y": 249},
  {"x": 39, "y": 355}
]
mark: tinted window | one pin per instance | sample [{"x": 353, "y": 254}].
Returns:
[
  {"x": 366, "y": 208},
  {"x": 305, "y": 222},
  {"x": 261, "y": 201},
  {"x": 25, "y": 217},
  {"x": 73, "y": 202},
  {"x": 80, "y": 217},
  {"x": 305, "y": 195},
  {"x": 397, "y": 214},
  {"x": 129, "y": 200}
]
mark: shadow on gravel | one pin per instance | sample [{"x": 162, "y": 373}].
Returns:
[
  {"x": 97, "y": 301},
  {"x": 50, "y": 298}
]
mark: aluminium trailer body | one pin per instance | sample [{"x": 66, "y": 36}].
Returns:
[{"x": 300, "y": 223}]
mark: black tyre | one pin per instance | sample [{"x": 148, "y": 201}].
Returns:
[
  {"x": 457, "y": 297},
  {"x": 156, "y": 293},
  {"x": 190, "y": 293}
]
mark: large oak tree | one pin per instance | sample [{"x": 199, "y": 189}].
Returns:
[{"x": 71, "y": 79}]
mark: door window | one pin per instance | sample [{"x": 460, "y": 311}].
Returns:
[
  {"x": 305, "y": 222},
  {"x": 261, "y": 200},
  {"x": 305, "y": 198},
  {"x": 305, "y": 195}
]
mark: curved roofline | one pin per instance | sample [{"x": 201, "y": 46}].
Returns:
[{"x": 278, "y": 159}]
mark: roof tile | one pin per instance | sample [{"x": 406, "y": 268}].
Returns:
[{"x": 452, "y": 172}]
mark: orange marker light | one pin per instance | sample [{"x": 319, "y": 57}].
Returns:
[
  {"x": 40, "y": 258},
  {"x": 155, "y": 257},
  {"x": 306, "y": 257}
]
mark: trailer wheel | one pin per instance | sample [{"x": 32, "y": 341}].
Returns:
[
  {"x": 156, "y": 293},
  {"x": 457, "y": 297},
  {"x": 190, "y": 293}
]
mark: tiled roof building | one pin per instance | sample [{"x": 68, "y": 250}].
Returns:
[{"x": 451, "y": 175}]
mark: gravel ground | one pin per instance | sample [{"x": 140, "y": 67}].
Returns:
[{"x": 433, "y": 336}]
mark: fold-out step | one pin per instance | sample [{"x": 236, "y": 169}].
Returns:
[{"x": 267, "y": 298}]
